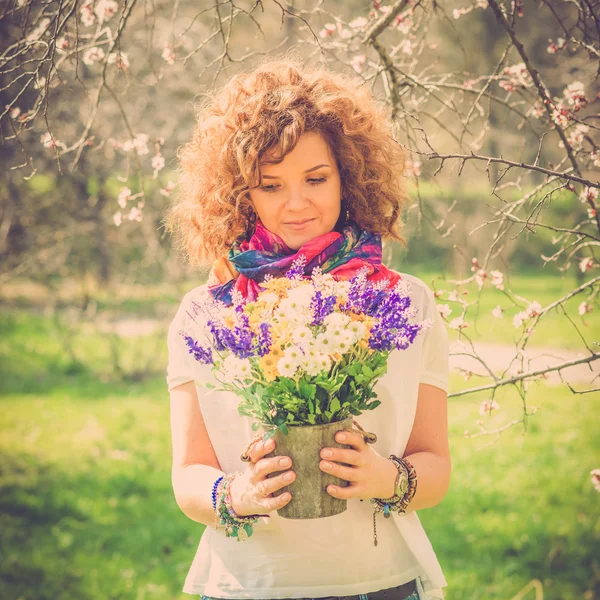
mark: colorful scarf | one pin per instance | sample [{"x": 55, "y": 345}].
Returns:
[{"x": 340, "y": 254}]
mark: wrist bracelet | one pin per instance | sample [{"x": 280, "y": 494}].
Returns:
[
  {"x": 395, "y": 503},
  {"x": 235, "y": 526}
]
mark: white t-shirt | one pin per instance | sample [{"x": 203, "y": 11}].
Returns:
[{"x": 332, "y": 556}]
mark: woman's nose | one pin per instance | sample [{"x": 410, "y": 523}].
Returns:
[{"x": 297, "y": 198}]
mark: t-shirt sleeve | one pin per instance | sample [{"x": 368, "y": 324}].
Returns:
[
  {"x": 181, "y": 365},
  {"x": 434, "y": 362}
]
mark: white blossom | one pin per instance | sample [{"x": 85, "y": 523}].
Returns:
[{"x": 92, "y": 55}]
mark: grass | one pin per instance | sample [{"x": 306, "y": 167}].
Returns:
[{"x": 88, "y": 511}]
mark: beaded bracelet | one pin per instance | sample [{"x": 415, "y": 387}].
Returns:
[
  {"x": 235, "y": 526},
  {"x": 395, "y": 503}
]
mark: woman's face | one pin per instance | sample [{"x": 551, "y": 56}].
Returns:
[{"x": 299, "y": 199}]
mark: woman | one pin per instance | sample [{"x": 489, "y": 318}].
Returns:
[{"x": 284, "y": 161}]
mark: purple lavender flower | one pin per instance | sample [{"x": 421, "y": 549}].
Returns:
[
  {"x": 264, "y": 340},
  {"x": 203, "y": 355},
  {"x": 244, "y": 337},
  {"x": 296, "y": 271},
  {"x": 321, "y": 307}
]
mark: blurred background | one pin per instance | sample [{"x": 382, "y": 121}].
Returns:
[{"x": 89, "y": 280}]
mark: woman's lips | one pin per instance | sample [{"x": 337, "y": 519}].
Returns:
[{"x": 299, "y": 225}]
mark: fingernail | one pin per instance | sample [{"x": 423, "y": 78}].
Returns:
[
  {"x": 269, "y": 444},
  {"x": 327, "y": 466},
  {"x": 327, "y": 453},
  {"x": 284, "y": 462},
  {"x": 287, "y": 477},
  {"x": 341, "y": 437}
]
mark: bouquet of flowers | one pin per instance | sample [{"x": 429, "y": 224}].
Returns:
[{"x": 306, "y": 351}]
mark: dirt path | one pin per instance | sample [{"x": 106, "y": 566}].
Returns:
[{"x": 498, "y": 358}]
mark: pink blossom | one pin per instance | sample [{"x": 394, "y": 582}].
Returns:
[
  {"x": 480, "y": 277},
  {"x": 584, "y": 308},
  {"x": 135, "y": 214},
  {"x": 92, "y": 55},
  {"x": 458, "y": 323},
  {"x": 62, "y": 43},
  {"x": 444, "y": 310},
  {"x": 560, "y": 117},
  {"x": 14, "y": 112},
  {"x": 453, "y": 296},
  {"x": 166, "y": 191},
  {"x": 554, "y": 48},
  {"x": 168, "y": 55},
  {"x": 119, "y": 60},
  {"x": 574, "y": 94},
  {"x": 586, "y": 264},
  {"x": 404, "y": 23},
  {"x": 139, "y": 143},
  {"x": 105, "y": 10},
  {"x": 576, "y": 136},
  {"x": 118, "y": 218},
  {"x": 358, "y": 23},
  {"x": 328, "y": 30},
  {"x": 357, "y": 62},
  {"x": 87, "y": 14},
  {"x": 124, "y": 196},
  {"x": 591, "y": 213},
  {"x": 158, "y": 162},
  {"x": 497, "y": 278},
  {"x": 537, "y": 110},
  {"x": 488, "y": 406},
  {"x": 595, "y": 156},
  {"x": 518, "y": 76},
  {"x": 595, "y": 473},
  {"x": 407, "y": 46},
  {"x": 497, "y": 312},
  {"x": 588, "y": 194},
  {"x": 534, "y": 309},
  {"x": 519, "y": 318},
  {"x": 474, "y": 265},
  {"x": 49, "y": 141}
]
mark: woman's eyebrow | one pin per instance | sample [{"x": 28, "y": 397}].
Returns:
[{"x": 307, "y": 171}]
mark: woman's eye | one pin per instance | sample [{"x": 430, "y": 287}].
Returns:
[{"x": 273, "y": 188}]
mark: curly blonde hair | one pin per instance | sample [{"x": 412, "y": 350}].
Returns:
[{"x": 266, "y": 111}]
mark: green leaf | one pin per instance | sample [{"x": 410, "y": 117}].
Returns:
[
  {"x": 335, "y": 404},
  {"x": 307, "y": 390}
]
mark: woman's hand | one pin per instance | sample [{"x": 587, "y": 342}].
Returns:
[
  {"x": 251, "y": 492},
  {"x": 370, "y": 474}
]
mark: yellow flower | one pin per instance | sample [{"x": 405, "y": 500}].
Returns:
[{"x": 278, "y": 285}]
